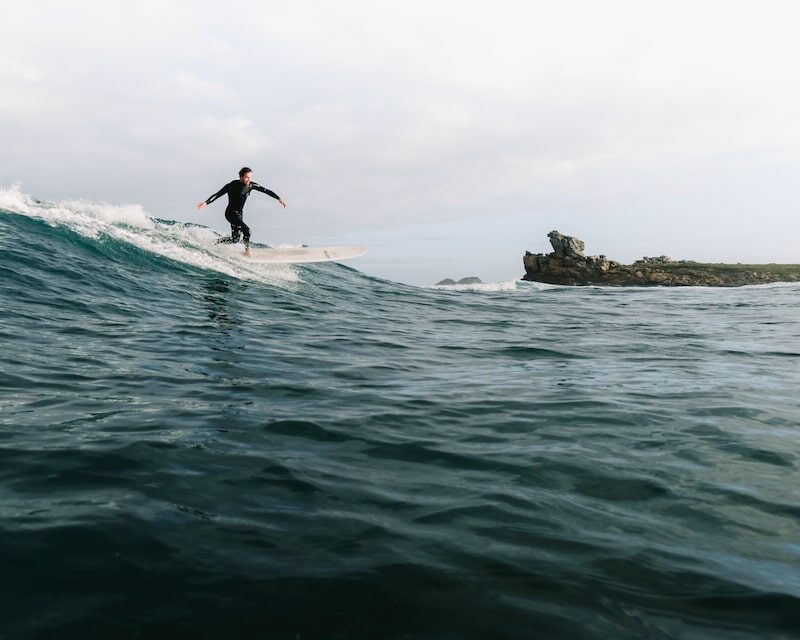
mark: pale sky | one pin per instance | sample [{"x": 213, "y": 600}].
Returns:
[{"x": 449, "y": 137}]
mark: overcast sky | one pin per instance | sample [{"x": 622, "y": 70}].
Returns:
[{"x": 449, "y": 137}]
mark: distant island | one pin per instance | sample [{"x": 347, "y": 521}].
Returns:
[
  {"x": 450, "y": 281},
  {"x": 567, "y": 265}
]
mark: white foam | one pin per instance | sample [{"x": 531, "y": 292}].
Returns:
[
  {"x": 130, "y": 223},
  {"x": 13, "y": 199},
  {"x": 773, "y": 285},
  {"x": 484, "y": 287}
]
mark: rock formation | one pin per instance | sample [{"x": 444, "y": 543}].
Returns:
[
  {"x": 468, "y": 280},
  {"x": 567, "y": 265}
]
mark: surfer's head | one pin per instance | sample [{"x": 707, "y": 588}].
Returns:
[{"x": 246, "y": 174}]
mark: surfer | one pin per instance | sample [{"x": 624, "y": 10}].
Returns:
[{"x": 237, "y": 191}]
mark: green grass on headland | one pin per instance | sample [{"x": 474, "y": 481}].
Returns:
[{"x": 723, "y": 267}]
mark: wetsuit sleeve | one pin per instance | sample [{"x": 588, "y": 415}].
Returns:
[
  {"x": 217, "y": 194},
  {"x": 258, "y": 187}
]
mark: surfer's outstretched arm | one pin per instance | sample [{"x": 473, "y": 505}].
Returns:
[
  {"x": 211, "y": 199},
  {"x": 258, "y": 187}
]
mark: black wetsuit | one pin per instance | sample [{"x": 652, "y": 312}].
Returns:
[{"x": 237, "y": 195}]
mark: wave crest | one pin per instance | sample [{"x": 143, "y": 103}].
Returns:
[{"x": 187, "y": 243}]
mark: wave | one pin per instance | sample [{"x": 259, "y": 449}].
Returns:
[
  {"x": 510, "y": 285},
  {"x": 129, "y": 224},
  {"x": 496, "y": 287}
]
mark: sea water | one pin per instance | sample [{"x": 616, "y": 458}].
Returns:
[{"x": 194, "y": 446}]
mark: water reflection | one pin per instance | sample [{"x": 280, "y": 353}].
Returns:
[{"x": 217, "y": 297}]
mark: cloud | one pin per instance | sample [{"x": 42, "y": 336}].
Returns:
[{"x": 12, "y": 70}]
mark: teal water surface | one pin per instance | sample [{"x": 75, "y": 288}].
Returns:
[{"x": 194, "y": 447}]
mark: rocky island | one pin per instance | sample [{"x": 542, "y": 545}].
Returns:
[
  {"x": 567, "y": 265},
  {"x": 451, "y": 282}
]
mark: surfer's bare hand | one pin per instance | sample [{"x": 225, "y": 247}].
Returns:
[
  {"x": 282, "y": 201},
  {"x": 200, "y": 205}
]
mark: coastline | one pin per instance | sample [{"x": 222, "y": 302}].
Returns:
[{"x": 567, "y": 265}]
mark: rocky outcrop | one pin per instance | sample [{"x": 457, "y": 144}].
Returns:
[
  {"x": 567, "y": 265},
  {"x": 468, "y": 280},
  {"x": 566, "y": 246}
]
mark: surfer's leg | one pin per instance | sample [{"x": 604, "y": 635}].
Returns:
[
  {"x": 234, "y": 237},
  {"x": 245, "y": 234},
  {"x": 235, "y": 219}
]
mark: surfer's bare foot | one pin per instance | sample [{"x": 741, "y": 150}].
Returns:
[{"x": 247, "y": 253}]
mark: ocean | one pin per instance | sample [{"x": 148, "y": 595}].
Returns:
[{"x": 191, "y": 446}]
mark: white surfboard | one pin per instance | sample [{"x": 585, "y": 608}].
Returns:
[{"x": 296, "y": 255}]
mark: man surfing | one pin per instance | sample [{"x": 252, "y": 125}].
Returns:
[{"x": 237, "y": 191}]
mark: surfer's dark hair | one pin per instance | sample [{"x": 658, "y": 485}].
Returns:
[{"x": 244, "y": 170}]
